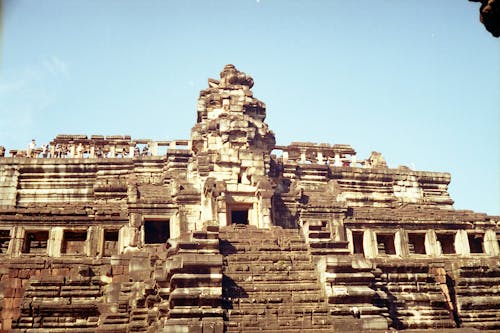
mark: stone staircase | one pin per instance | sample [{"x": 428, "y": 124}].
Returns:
[
  {"x": 415, "y": 300},
  {"x": 270, "y": 282},
  {"x": 321, "y": 242},
  {"x": 477, "y": 289},
  {"x": 56, "y": 304},
  {"x": 350, "y": 285},
  {"x": 192, "y": 284}
]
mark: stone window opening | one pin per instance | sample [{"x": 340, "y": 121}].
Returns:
[
  {"x": 239, "y": 216},
  {"x": 447, "y": 241},
  {"x": 156, "y": 231},
  {"x": 35, "y": 242},
  {"x": 4, "y": 240},
  {"x": 416, "y": 243},
  {"x": 74, "y": 242},
  {"x": 385, "y": 244},
  {"x": 110, "y": 242},
  {"x": 357, "y": 240},
  {"x": 476, "y": 243}
]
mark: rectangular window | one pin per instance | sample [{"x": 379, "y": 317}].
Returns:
[
  {"x": 110, "y": 242},
  {"x": 4, "y": 240},
  {"x": 239, "y": 216},
  {"x": 156, "y": 231},
  {"x": 35, "y": 242},
  {"x": 74, "y": 242},
  {"x": 475, "y": 243},
  {"x": 385, "y": 244},
  {"x": 416, "y": 243},
  {"x": 447, "y": 241}
]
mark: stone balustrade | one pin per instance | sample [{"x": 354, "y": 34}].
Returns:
[{"x": 99, "y": 146}]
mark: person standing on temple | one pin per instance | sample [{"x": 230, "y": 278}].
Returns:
[
  {"x": 45, "y": 150},
  {"x": 31, "y": 148}
]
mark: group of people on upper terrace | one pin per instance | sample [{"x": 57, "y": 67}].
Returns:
[{"x": 73, "y": 150}]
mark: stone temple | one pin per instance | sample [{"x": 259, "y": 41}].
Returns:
[{"x": 229, "y": 232}]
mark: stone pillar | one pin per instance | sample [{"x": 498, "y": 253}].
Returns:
[
  {"x": 54, "y": 242},
  {"x": 153, "y": 148},
  {"x": 353, "y": 161},
  {"x": 401, "y": 243},
  {"x": 432, "y": 247},
  {"x": 338, "y": 162},
  {"x": 92, "y": 151},
  {"x": 462, "y": 243},
  {"x": 303, "y": 157},
  {"x": 285, "y": 156},
  {"x": 112, "y": 151},
  {"x": 491, "y": 243},
  {"x": 16, "y": 241},
  {"x": 95, "y": 241},
  {"x": 319, "y": 158},
  {"x": 350, "y": 240},
  {"x": 370, "y": 243},
  {"x": 222, "y": 210},
  {"x": 127, "y": 237},
  {"x": 72, "y": 150}
]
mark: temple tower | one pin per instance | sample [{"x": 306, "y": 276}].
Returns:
[{"x": 231, "y": 144}]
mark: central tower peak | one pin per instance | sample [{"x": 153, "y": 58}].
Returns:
[{"x": 228, "y": 116}]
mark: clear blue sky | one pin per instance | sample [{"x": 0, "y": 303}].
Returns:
[{"x": 418, "y": 81}]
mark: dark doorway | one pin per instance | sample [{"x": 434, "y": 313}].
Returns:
[
  {"x": 156, "y": 231},
  {"x": 475, "y": 243},
  {"x": 239, "y": 216},
  {"x": 357, "y": 239}
]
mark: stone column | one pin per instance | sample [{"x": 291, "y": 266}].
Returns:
[
  {"x": 16, "y": 241},
  {"x": 354, "y": 161},
  {"x": 222, "y": 210},
  {"x": 153, "y": 148},
  {"x": 337, "y": 162},
  {"x": 54, "y": 242},
  {"x": 401, "y": 243},
  {"x": 432, "y": 247},
  {"x": 462, "y": 243},
  {"x": 491, "y": 243},
  {"x": 370, "y": 243},
  {"x": 72, "y": 150},
  {"x": 303, "y": 157},
  {"x": 95, "y": 241},
  {"x": 285, "y": 157},
  {"x": 319, "y": 157},
  {"x": 350, "y": 240}
]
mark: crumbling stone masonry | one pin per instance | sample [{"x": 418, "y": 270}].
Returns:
[{"x": 228, "y": 232}]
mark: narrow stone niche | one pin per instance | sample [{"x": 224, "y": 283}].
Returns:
[{"x": 35, "y": 242}]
